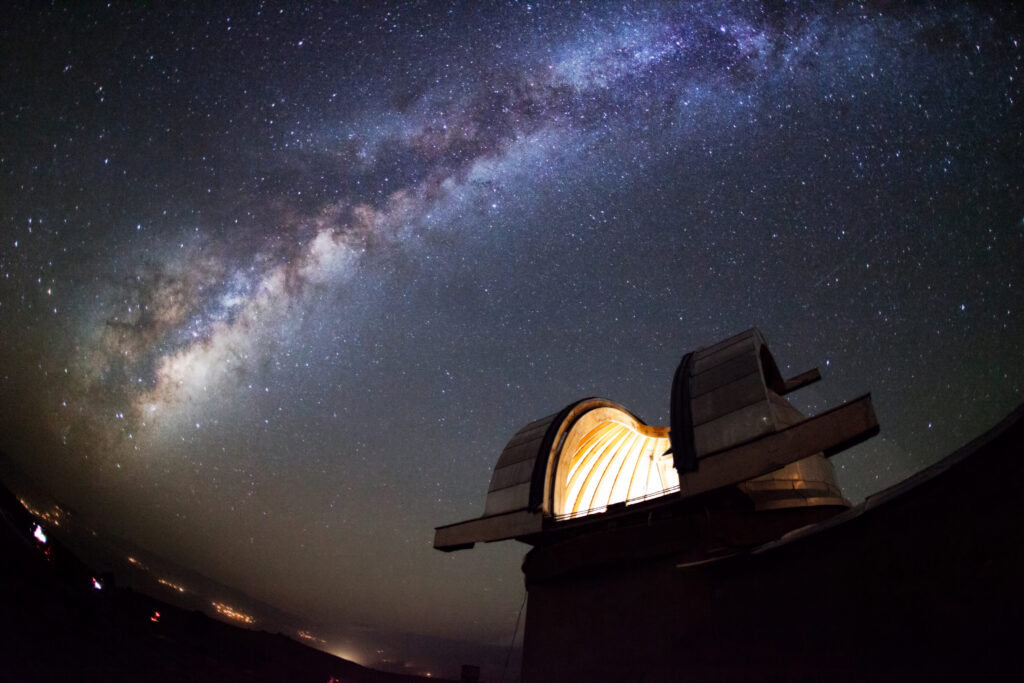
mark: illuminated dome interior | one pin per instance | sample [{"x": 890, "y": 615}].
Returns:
[{"x": 610, "y": 457}]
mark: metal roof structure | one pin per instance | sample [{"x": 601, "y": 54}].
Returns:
[{"x": 730, "y": 427}]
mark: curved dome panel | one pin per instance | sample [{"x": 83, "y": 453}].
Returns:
[
  {"x": 608, "y": 457},
  {"x": 512, "y": 486}
]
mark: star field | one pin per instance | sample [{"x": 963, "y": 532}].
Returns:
[{"x": 277, "y": 284}]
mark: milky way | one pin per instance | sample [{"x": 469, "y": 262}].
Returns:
[{"x": 278, "y": 284}]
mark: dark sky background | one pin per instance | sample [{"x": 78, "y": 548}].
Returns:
[{"x": 278, "y": 283}]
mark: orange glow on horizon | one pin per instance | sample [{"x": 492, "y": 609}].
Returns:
[
  {"x": 232, "y": 613},
  {"x": 172, "y": 586},
  {"x": 53, "y": 516}
]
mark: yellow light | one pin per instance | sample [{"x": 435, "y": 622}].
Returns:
[
  {"x": 232, "y": 613},
  {"x": 348, "y": 655},
  {"x": 172, "y": 586},
  {"x": 611, "y": 457},
  {"x": 25, "y": 504}
]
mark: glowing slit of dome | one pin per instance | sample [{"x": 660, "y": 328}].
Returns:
[{"x": 611, "y": 457}]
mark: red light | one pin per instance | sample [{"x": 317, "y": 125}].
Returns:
[{"x": 155, "y": 617}]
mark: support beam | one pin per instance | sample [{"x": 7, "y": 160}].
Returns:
[
  {"x": 830, "y": 432},
  {"x": 485, "y": 529},
  {"x": 800, "y": 381}
]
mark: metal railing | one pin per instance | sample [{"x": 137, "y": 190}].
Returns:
[{"x": 576, "y": 514}]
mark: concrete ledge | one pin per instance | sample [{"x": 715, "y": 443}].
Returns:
[{"x": 485, "y": 529}]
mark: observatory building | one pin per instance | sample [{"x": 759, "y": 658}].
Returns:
[
  {"x": 730, "y": 427},
  {"x": 593, "y": 485},
  {"x": 720, "y": 547}
]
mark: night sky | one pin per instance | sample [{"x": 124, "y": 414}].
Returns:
[{"x": 278, "y": 284}]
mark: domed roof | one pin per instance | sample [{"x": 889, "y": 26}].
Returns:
[{"x": 729, "y": 425}]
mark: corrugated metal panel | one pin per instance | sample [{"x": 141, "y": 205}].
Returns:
[
  {"x": 529, "y": 432},
  {"x": 524, "y": 450},
  {"x": 752, "y": 332},
  {"x": 733, "y": 429},
  {"x": 513, "y": 474},
  {"x": 706, "y": 358},
  {"x": 729, "y": 371},
  {"x": 727, "y": 398},
  {"x": 516, "y": 473},
  {"x": 508, "y": 499}
]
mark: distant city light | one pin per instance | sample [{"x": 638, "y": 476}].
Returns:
[
  {"x": 38, "y": 533},
  {"x": 172, "y": 586},
  {"x": 232, "y": 613},
  {"x": 347, "y": 655},
  {"x": 51, "y": 517},
  {"x": 309, "y": 636}
]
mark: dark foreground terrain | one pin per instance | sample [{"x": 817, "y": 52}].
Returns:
[{"x": 57, "y": 625}]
